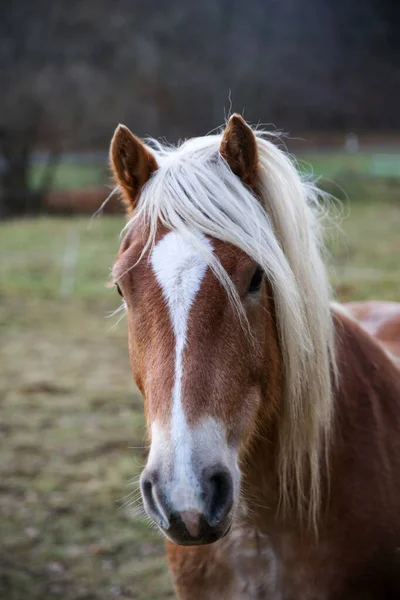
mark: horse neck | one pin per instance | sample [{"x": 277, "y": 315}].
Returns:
[
  {"x": 369, "y": 380},
  {"x": 365, "y": 400}
]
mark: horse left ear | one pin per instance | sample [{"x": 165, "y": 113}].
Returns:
[
  {"x": 239, "y": 149},
  {"x": 132, "y": 164}
]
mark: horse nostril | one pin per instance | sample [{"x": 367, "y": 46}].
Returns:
[
  {"x": 220, "y": 496},
  {"x": 151, "y": 500},
  {"x": 147, "y": 492}
]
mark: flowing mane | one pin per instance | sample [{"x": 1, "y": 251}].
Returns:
[{"x": 194, "y": 191}]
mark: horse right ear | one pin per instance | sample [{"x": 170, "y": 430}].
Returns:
[
  {"x": 132, "y": 164},
  {"x": 239, "y": 149}
]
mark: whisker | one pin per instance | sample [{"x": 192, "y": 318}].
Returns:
[{"x": 100, "y": 210}]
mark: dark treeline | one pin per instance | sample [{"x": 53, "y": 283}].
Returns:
[
  {"x": 70, "y": 71},
  {"x": 166, "y": 68}
]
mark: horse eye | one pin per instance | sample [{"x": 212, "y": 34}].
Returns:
[
  {"x": 256, "y": 281},
  {"x": 119, "y": 290}
]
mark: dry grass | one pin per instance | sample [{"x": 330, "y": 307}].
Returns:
[
  {"x": 70, "y": 414},
  {"x": 70, "y": 417}
]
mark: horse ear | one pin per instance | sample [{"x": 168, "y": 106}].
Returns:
[
  {"x": 239, "y": 149},
  {"x": 132, "y": 164}
]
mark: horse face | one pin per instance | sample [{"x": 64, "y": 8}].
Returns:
[
  {"x": 201, "y": 371},
  {"x": 200, "y": 367}
]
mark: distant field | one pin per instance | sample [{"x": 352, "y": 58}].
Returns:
[
  {"x": 71, "y": 422},
  {"x": 327, "y": 163},
  {"x": 330, "y": 164},
  {"x": 70, "y": 176}
]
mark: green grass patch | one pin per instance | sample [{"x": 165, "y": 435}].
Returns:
[
  {"x": 334, "y": 164},
  {"x": 38, "y": 252},
  {"x": 365, "y": 250}
]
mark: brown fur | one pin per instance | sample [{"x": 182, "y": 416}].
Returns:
[
  {"x": 151, "y": 341},
  {"x": 225, "y": 390}
]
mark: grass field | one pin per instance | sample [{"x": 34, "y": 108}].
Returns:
[
  {"x": 339, "y": 163},
  {"x": 332, "y": 164},
  {"x": 71, "y": 425}
]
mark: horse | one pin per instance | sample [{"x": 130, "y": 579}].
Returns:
[
  {"x": 380, "y": 319},
  {"x": 273, "y": 417}
]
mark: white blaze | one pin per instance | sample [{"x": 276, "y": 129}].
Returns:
[{"x": 180, "y": 270}]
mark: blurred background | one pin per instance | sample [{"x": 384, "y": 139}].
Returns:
[{"x": 72, "y": 436}]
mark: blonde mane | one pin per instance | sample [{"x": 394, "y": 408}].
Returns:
[{"x": 195, "y": 191}]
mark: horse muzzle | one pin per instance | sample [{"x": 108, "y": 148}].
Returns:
[{"x": 190, "y": 512}]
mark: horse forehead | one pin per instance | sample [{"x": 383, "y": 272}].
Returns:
[
  {"x": 177, "y": 253},
  {"x": 173, "y": 254},
  {"x": 180, "y": 267},
  {"x": 175, "y": 262}
]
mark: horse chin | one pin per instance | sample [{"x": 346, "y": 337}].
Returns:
[{"x": 203, "y": 539}]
